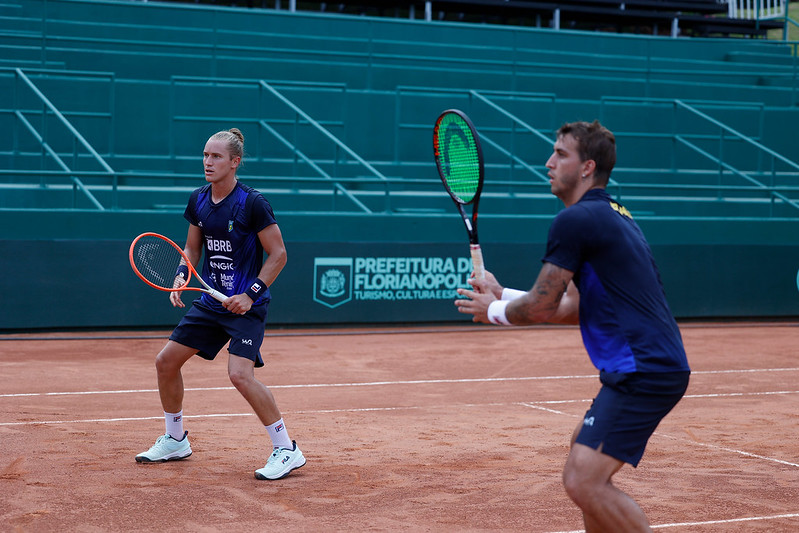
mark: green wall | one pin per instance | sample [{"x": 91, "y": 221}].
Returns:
[{"x": 80, "y": 277}]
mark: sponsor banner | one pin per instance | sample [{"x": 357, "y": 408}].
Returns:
[
  {"x": 378, "y": 282},
  {"x": 371, "y": 282},
  {"x": 417, "y": 282},
  {"x": 339, "y": 280}
]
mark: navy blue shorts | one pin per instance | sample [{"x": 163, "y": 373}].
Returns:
[
  {"x": 208, "y": 331},
  {"x": 627, "y": 410}
]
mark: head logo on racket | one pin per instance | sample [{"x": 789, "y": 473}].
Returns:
[{"x": 459, "y": 159}]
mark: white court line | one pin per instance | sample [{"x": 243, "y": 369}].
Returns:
[
  {"x": 725, "y": 449},
  {"x": 732, "y": 394},
  {"x": 709, "y": 522},
  {"x": 745, "y": 371},
  {"x": 317, "y": 385},
  {"x": 88, "y": 393},
  {"x": 540, "y": 408},
  {"x": 533, "y": 405},
  {"x": 126, "y": 419},
  {"x": 729, "y": 521},
  {"x": 405, "y": 382},
  {"x": 688, "y": 441},
  {"x": 221, "y": 415}
]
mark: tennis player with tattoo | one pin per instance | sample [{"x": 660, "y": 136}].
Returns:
[
  {"x": 598, "y": 271},
  {"x": 231, "y": 225}
]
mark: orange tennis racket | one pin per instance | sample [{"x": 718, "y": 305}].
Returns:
[{"x": 155, "y": 259}]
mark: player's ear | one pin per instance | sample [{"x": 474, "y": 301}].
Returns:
[
  {"x": 234, "y": 162},
  {"x": 588, "y": 167}
]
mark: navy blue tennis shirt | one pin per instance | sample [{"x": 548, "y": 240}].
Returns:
[
  {"x": 625, "y": 320},
  {"x": 233, "y": 255}
]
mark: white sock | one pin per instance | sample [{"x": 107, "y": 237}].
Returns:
[
  {"x": 174, "y": 424},
  {"x": 279, "y": 435}
]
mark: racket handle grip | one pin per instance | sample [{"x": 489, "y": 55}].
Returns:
[
  {"x": 477, "y": 261},
  {"x": 216, "y": 294}
]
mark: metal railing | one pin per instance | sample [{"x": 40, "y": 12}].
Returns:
[
  {"x": 375, "y": 191},
  {"x": 756, "y": 9},
  {"x": 361, "y": 50},
  {"x": 726, "y": 135},
  {"x": 49, "y": 109},
  {"x": 300, "y": 157}
]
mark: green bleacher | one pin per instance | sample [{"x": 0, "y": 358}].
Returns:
[{"x": 108, "y": 104}]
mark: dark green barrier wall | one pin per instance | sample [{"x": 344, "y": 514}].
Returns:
[
  {"x": 69, "y": 269},
  {"x": 78, "y": 282}
]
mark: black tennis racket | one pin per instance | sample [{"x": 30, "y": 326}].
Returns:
[{"x": 460, "y": 164}]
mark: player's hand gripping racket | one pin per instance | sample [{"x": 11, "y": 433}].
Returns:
[
  {"x": 155, "y": 259},
  {"x": 460, "y": 164}
]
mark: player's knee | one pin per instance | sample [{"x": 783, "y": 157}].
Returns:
[
  {"x": 571, "y": 484},
  {"x": 162, "y": 365},
  {"x": 165, "y": 364},
  {"x": 238, "y": 378},
  {"x": 577, "y": 486}
]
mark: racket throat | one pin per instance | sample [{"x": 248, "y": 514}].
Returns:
[{"x": 471, "y": 230}]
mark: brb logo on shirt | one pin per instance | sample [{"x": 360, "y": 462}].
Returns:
[{"x": 218, "y": 245}]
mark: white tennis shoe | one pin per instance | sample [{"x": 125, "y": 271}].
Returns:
[
  {"x": 166, "y": 448},
  {"x": 281, "y": 463}
]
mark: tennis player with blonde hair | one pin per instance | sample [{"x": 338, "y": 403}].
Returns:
[{"x": 231, "y": 225}]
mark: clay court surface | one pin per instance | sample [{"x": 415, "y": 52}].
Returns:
[{"x": 424, "y": 429}]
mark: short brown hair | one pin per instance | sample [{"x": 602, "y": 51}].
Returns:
[{"x": 594, "y": 142}]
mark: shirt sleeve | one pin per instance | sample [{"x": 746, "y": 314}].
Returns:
[
  {"x": 261, "y": 214},
  {"x": 568, "y": 234},
  {"x": 190, "y": 213}
]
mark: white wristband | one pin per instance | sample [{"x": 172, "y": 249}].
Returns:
[
  {"x": 512, "y": 294},
  {"x": 496, "y": 313}
]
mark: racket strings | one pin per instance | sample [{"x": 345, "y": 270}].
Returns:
[
  {"x": 459, "y": 158},
  {"x": 156, "y": 260}
]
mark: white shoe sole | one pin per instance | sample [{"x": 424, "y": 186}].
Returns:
[
  {"x": 176, "y": 456},
  {"x": 283, "y": 473}
]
